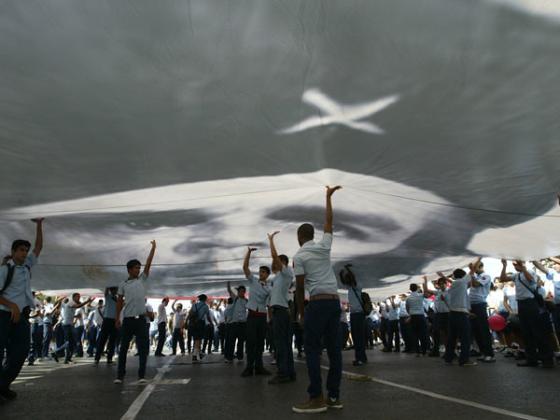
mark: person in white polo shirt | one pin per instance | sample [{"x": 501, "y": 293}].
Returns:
[
  {"x": 321, "y": 316},
  {"x": 281, "y": 323},
  {"x": 162, "y": 326},
  {"x": 418, "y": 326},
  {"x": 131, "y": 303},
  {"x": 478, "y": 293}
]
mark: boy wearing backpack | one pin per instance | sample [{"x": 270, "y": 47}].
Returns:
[{"x": 16, "y": 301}]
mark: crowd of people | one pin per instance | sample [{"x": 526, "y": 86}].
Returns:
[{"x": 286, "y": 306}]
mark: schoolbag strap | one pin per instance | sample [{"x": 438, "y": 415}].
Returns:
[
  {"x": 9, "y": 277},
  {"x": 359, "y": 300}
]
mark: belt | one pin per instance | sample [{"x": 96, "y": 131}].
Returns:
[
  {"x": 135, "y": 317},
  {"x": 324, "y": 296},
  {"x": 257, "y": 314},
  {"x": 278, "y": 307}
]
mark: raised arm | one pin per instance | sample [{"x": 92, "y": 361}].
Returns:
[
  {"x": 120, "y": 304},
  {"x": 503, "y": 276},
  {"x": 38, "y": 236},
  {"x": 148, "y": 264},
  {"x": 540, "y": 267},
  {"x": 246, "y": 269},
  {"x": 555, "y": 260},
  {"x": 173, "y": 306},
  {"x": 231, "y": 294},
  {"x": 427, "y": 293},
  {"x": 521, "y": 265},
  {"x": 329, "y": 211},
  {"x": 273, "y": 251},
  {"x": 84, "y": 303}
]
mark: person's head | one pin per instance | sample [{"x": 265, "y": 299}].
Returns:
[
  {"x": 441, "y": 283},
  {"x": 20, "y": 249},
  {"x": 413, "y": 287},
  {"x": 100, "y": 303},
  {"x": 230, "y": 301},
  {"x": 179, "y": 307},
  {"x": 48, "y": 299},
  {"x": 480, "y": 269},
  {"x": 264, "y": 272},
  {"x": 459, "y": 273},
  {"x": 305, "y": 233},
  {"x": 202, "y": 298},
  {"x": 519, "y": 266},
  {"x": 113, "y": 290},
  {"x": 133, "y": 267},
  {"x": 165, "y": 301},
  {"x": 76, "y": 297},
  {"x": 241, "y": 291},
  {"x": 284, "y": 260}
]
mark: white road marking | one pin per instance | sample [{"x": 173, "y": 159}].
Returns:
[
  {"x": 139, "y": 402},
  {"x": 437, "y": 396}
]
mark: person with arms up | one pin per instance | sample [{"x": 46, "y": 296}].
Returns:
[
  {"x": 131, "y": 302},
  {"x": 16, "y": 302},
  {"x": 321, "y": 316},
  {"x": 162, "y": 326}
]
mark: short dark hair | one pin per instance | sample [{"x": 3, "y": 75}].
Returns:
[
  {"x": 202, "y": 297},
  {"x": 21, "y": 242},
  {"x": 459, "y": 273},
  {"x": 230, "y": 301},
  {"x": 306, "y": 231},
  {"x": 413, "y": 287},
  {"x": 284, "y": 259},
  {"x": 132, "y": 264},
  {"x": 75, "y": 294},
  {"x": 265, "y": 268}
]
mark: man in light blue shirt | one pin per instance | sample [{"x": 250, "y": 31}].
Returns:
[
  {"x": 478, "y": 293},
  {"x": 357, "y": 315},
  {"x": 459, "y": 327},
  {"x": 238, "y": 324},
  {"x": 108, "y": 327},
  {"x": 393, "y": 316},
  {"x": 16, "y": 302},
  {"x": 418, "y": 326},
  {"x": 281, "y": 323}
]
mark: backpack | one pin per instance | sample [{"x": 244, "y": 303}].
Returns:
[
  {"x": 9, "y": 278},
  {"x": 365, "y": 302}
]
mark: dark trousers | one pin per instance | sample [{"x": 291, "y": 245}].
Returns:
[
  {"x": 282, "y": 332},
  {"x": 418, "y": 334},
  {"x": 405, "y": 333},
  {"x": 481, "y": 330},
  {"x": 459, "y": 328},
  {"x": 533, "y": 331},
  {"x": 14, "y": 346},
  {"x": 394, "y": 337},
  {"x": 162, "y": 335},
  {"x": 383, "y": 329},
  {"x": 222, "y": 337},
  {"x": 134, "y": 327},
  {"x": 321, "y": 326},
  {"x": 78, "y": 337},
  {"x": 92, "y": 339},
  {"x": 47, "y": 337},
  {"x": 237, "y": 332},
  {"x": 108, "y": 332},
  {"x": 256, "y": 334},
  {"x": 439, "y": 327},
  {"x": 556, "y": 320},
  {"x": 68, "y": 345},
  {"x": 177, "y": 337},
  {"x": 208, "y": 338},
  {"x": 358, "y": 329},
  {"x": 36, "y": 346}
]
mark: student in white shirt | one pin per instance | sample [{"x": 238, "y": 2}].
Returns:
[
  {"x": 162, "y": 326},
  {"x": 394, "y": 337},
  {"x": 313, "y": 270},
  {"x": 532, "y": 327},
  {"x": 478, "y": 293},
  {"x": 441, "y": 318},
  {"x": 131, "y": 304},
  {"x": 418, "y": 325},
  {"x": 179, "y": 318}
]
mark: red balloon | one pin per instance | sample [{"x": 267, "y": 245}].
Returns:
[{"x": 497, "y": 323}]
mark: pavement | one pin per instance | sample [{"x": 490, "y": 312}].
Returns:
[{"x": 390, "y": 386}]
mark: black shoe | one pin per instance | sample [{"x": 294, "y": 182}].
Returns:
[
  {"x": 358, "y": 363},
  {"x": 281, "y": 380},
  {"x": 527, "y": 364},
  {"x": 54, "y": 356},
  {"x": 262, "y": 371},
  {"x": 30, "y": 363},
  {"x": 246, "y": 373},
  {"x": 8, "y": 394},
  {"x": 160, "y": 355}
]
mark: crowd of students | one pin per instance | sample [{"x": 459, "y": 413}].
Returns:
[{"x": 288, "y": 304}]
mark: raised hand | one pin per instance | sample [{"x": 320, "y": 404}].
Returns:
[
  {"x": 504, "y": 262},
  {"x": 153, "y": 243},
  {"x": 250, "y": 249},
  {"x": 331, "y": 190},
  {"x": 38, "y": 220},
  {"x": 272, "y": 235}
]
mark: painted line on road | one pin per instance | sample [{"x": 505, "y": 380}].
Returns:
[
  {"x": 367, "y": 378},
  {"x": 139, "y": 402}
]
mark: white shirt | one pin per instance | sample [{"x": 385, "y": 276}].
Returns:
[
  {"x": 149, "y": 308},
  {"x": 554, "y": 276},
  {"x": 403, "y": 313},
  {"x": 178, "y": 318},
  {"x": 134, "y": 292},
  {"x": 457, "y": 296},
  {"x": 393, "y": 314},
  {"x": 281, "y": 283},
  {"x": 68, "y": 311},
  {"x": 161, "y": 314},
  {"x": 47, "y": 319},
  {"x": 440, "y": 302},
  {"x": 479, "y": 294},
  {"x": 313, "y": 260},
  {"x": 521, "y": 292},
  {"x": 355, "y": 299},
  {"x": 511, "y": 294},
  {"x": 98, "y": 316},
  {"x": 80, "y": 315},
  {"x": 259, "y": 294},
  {"x": 415, "y": 303}
]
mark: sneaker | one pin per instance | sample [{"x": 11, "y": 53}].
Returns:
[
  {"x": 54, "y": 356},
  {"x": 142, "y": 381},
  {"x": 357, "y": 363},
  {"x": 489, "y": 359},
  {"x": 262, "y": 371},
  {"x": 334, "y": 403},
  {"x": 468, "y": 364},
  {"x": 118, "y": 381},
  {"x": 313, "y": 405},
  {"x": 8, "y": 394},
  {"x": 246, "y": 373}
]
